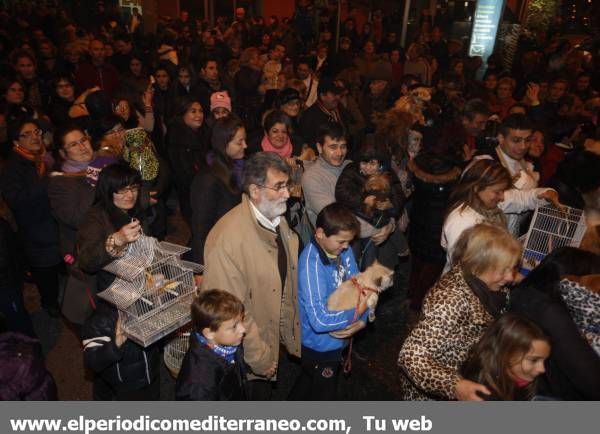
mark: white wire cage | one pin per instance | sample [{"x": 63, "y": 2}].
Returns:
[
  {"x": 176, "y": 348},
  {"x": 550, "y": 229},
  {"x": 153, "y": 289}
]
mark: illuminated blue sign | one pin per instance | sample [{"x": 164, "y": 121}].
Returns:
[{"x": 485, "y": 28}]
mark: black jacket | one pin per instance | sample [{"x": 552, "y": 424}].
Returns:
[
  {"x": 206, "y": 376},
  {"x": 26, "y": 195},
  {"x": 71, "y": 197},
  {"x": 246, "y": 83},
  {"x": 186, "y": 149},
  {"x": 129, "y": 367},
  {"x": 314, "y": 117},
  {"x": 573, "y": 368},
  {"x": 429, "y": 203},
  {"x": 210, "y": 200}
]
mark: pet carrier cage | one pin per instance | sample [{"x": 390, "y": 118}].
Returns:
[
  {"x": 176, "y": 348},
  {"x": 550, "y": 229},
  {"x": 153, "y": 289}
]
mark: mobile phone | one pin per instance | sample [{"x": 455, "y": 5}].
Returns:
[{"x": 152, "y": 79}]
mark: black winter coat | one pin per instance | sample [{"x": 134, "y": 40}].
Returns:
[
  {"x": 210, "y": 200},
  {"x": 127, "y": 368},
  {"x": 246, "y": 82},
  {"x": 71, "y": 197},
  {"x": 26, "y": 195},
  {"x": 206, "y": 376},
  {"x": 314, "y": 117},
  {"x": 429, "y": 205},
  {"x": 573, "y": 368},
  {"x": 186, "y": 149}
]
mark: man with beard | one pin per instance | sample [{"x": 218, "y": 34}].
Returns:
[{"x": 252, "y": 253}]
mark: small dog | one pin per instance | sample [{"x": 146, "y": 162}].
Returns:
[
  {"x": 369, "y": 283},
  {"x": 377, "y": 192}
]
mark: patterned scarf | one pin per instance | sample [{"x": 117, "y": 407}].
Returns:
[
  {"x": 225, "y": 351},
  {"x": 334, "y": 114},
  {"x": 39, "y": 158},
  {"x": 284, "y": 152}
]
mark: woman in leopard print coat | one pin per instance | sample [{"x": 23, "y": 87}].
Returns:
[{"x": 456, "y": 312}]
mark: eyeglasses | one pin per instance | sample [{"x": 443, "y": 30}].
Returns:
[
  {"x": 278, "y": 188},
  {"x": 133, "y": 189},
  {"x": 83, "y": 140},
  {"x": 29, "y": 134}
]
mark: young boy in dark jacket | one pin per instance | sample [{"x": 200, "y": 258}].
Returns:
[
  {"x": 123, "y": 370},
  {"x": 213, "y": 367}
]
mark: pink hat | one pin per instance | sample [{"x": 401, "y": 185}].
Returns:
[{"x": 220, "y": 99}]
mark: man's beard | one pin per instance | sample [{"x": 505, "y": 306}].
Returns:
[{"x": 271, "y": 209}]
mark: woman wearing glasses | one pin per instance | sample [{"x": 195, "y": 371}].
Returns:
[
  {"x": 71, "y": 195},
  {"x": 122, "y": 369},
  {"x": 24, "y": 187}
]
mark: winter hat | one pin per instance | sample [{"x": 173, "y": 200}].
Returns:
[
  {"x": 220, "y": 99},
  {"x": 287, "y": 95}
]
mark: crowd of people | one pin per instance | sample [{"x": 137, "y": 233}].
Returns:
[{"x": 297, "y": 165}]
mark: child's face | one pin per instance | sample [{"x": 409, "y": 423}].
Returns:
[
  {"x": 334, "y": 244},
  {"x": 230, "y": 332},
  {"x": 532, "y": 364}
]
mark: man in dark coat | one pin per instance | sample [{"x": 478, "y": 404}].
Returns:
[
  {"x": 327, "y": 109},
  {"x": 97, "y": 72}
]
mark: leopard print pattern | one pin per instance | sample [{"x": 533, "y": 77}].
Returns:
[
  {"x": 452, "y": 320},
  {"x": 584, "y": 307}
]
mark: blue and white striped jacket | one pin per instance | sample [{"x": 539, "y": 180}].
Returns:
[{"x": 318, "y": 277}]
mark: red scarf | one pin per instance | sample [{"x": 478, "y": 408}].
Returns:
[
  {"x": 521, "y": 382},
  {"x": 284, "y": 152},
  {"x": 37, "y": 158}
]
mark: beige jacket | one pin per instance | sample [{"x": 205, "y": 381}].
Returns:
[{"x": 241, "y": 258}]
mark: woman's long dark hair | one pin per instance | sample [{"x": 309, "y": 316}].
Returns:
[
  {"x": 562, "y": 261},
  {"x": 112, "y": 179},
  {"x": 182, "y": 105},
  {"x": 491, "y": 358},
  {"x": 224, "y": 130}
]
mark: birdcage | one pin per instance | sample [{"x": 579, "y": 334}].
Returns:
[
  {"x": 550, "y": 229},
  {"x": 176, "y": 348},
  {"x": 153, "y": 289}
]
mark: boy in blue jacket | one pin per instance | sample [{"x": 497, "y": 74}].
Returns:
[{"x": 324, "y": 264}]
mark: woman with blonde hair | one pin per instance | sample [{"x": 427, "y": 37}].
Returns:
[
  {"x": 456, "y": 312},
  {"x": 485, "y": 194}
]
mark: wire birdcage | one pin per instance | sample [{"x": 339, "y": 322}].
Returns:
[
  {"x": 176, "y": 349},
  {"x": 550, "y": 229},
  {"x": 153, "y": 289}
]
